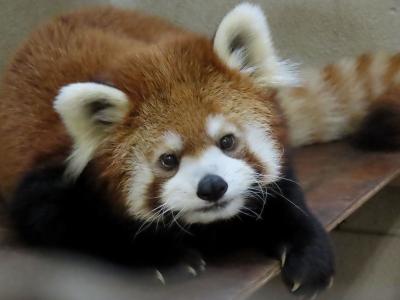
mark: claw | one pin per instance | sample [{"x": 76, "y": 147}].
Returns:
[
  {"x": 202, "y": 262},
  {"x": 330, "y": 284},
  {"x": 283, "y": 258},
  {"x": 160, "y": 277},
  {"x": 295, "y": 287},
  {"x": 203, "y": 265},
  {"x": 191, "y": 271}
]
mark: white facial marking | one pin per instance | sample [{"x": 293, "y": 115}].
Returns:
[
  {"x": 173, "y": 141},
  {"x": 180, "y": 192},
  {"x": 263, "y": 147},
  {"x": 140, "y": 179},
  {"x": 217, "y": 126}
]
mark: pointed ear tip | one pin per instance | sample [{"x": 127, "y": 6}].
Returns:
[
  {"x": 65, "y": 94},
  {"x": 61, "y": 98},
  {"x": 243, "y": 17},
  {"x": 248, "y": 9},
  {"x": 90, "y": 90},
  {"x": 247, "y": 6}
]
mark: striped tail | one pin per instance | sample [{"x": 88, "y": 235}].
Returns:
[{"x": 358, "y": 97}]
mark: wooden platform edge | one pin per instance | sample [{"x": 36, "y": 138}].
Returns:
[
  {"x": 271, "y": 271},
  {"x": 356, "y": 205},
  {"x": 274, "y": 269}
]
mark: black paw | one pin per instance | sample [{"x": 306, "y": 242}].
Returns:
[
  {"x": 309, "y": 270},
  {"x": 189, "y": 265}
]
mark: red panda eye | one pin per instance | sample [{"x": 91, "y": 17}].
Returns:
[
  {"x": 227, "y": 142},
  {"x": 169, "y": 161}
]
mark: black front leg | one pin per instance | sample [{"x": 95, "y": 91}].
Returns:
[
  {"x": 296, "y": 237},
  {"x": 48, "y": 212}
]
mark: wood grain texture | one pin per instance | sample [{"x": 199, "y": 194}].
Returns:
[{"x": 338, "y": 179}]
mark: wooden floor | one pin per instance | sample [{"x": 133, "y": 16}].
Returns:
[{"x": 337, "y": 180}]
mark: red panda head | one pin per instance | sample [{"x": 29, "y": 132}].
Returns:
[{"x": 188, "y": 127}]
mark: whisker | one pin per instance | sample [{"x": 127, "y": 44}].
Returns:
[
  {"x": 291, "y": 202},
  {"x": 142, "y": 228},
  {"x": 242, "y": 212},
  {"x": 275, "y": 177},
  {"x": 174, "y": 220},
  {"x": 252, "y": 212}
]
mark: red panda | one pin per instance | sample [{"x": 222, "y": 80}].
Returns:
[{"x": 126, "y": 137}]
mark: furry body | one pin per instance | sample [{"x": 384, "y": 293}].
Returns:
[{"x": 111, "y": 121}]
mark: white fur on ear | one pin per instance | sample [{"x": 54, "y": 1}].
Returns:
[
  {"x": 88, "y": 110},
  {"x": 243, "y": 41}
]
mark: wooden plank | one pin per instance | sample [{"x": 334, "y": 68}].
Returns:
[
  {"x": 337, "y": 180},
  {"x": 235, "y": 278}
]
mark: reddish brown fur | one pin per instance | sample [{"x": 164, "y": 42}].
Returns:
[
  {"x": 364, "y": 69},
  {"x": 393, "y": 69},
  {"x": 254, "y": 162},
  {"x": 154, "y": 193},
  {"x": 363, "y": 66},
  {"x": 156, "y": 64}
]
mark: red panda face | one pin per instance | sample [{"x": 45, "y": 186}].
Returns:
[
  {"x": 224, "y": 174},
  {"x": 182, "y": 133},
  {"x": 206, "y": 176}
]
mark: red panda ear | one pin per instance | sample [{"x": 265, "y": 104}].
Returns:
[
  {"x": 88, "y": 111},
  {"x": 243, "y": 41}
]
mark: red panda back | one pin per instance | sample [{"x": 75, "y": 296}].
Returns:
[{"x": 72, "y": 48}]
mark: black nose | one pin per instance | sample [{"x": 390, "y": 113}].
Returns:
[{"x": 211, "y": 188}]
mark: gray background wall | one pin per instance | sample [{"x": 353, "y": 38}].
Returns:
[{"x": 307, "y": 31}]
